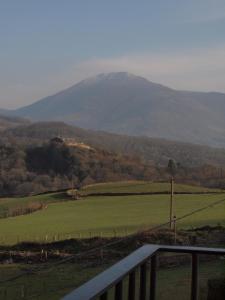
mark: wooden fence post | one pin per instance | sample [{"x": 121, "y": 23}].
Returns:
[
  {"x": 175, "y": 229},
  {"x": 22, "y": 292}
]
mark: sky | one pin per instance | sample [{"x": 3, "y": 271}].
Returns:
[{"x": 49, "y": 45}]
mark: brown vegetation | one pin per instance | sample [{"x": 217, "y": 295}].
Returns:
[{"x": 24, "y": 210}]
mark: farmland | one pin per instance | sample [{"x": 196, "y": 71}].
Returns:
[
  {"x": 109, "y": 215},
  {"x": 107, "y": 210},
  {"x": 142, "y": 187}
]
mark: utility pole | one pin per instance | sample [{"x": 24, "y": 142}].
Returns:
[{"x": 171, "y": 201}]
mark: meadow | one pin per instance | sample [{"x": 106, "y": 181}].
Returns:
[
  {"x": 108, "y": 216},
  {"x": 101, "y": 215},
  {"x": 136, "y": 187},
  {"x": 8, "y": 206}
]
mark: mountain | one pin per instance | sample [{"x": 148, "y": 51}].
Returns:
[
  {"x": 128, "y": 104},
  {"x": 152, "y": 150}
]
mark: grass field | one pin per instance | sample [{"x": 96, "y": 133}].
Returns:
[
  {"x": 106, "y": 216},
  {"x": 142, "y": 187},
  {"x": 172, "y": 283},
  {"x": 109, "y": 215},
  {"x": 8, "y": 205}
]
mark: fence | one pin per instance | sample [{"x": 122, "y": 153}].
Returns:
[{"x": 114, "y": 276}]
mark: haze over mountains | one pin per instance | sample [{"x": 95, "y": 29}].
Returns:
[{"x": 128, "y": 104}]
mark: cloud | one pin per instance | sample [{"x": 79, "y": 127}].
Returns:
[{"x": 203, "y": 69}]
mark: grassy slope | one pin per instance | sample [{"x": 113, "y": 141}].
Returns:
[
  {"x": 105, "y": 214},
  {"x": 173, "y": 283},
  {"x": 142, "y": 187},
  {"x": 112, "y": 187}
]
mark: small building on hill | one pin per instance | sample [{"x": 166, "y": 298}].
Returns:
[{"x": 57, "y": 140}]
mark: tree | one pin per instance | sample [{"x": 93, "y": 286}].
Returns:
[{"x": 172, "y": 167}]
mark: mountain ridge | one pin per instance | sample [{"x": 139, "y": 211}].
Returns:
[{"x": 124, "y": 103}]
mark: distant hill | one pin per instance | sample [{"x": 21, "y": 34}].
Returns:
[
  {"x": 128, "y": 104},
  {"x": 9, "y": 122},
  {"x": 156, "y": 151},
  {"x": 36, "y": 167}
]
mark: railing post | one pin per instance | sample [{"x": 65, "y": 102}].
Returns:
[
  {"x": 114, "y": 276},
  {"x": 153, "y": 277},
  {"x": 143, "y": 281},
  {"x": 194, "y": 277},
  {"x": 119, "y": 291},
  {"x": 132, "y": 285},
  {"x": 104, "y": 296}
]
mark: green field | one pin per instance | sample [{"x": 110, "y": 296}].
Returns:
[
  {"x": 108, "y": 216},
  {"x": 142, "y": 187},
  {"x": 9, "y": 205}
]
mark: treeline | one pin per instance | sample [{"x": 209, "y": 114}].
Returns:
[
  {"x": 54, "y": 165},
  {"x": 30, "y": 164},
  {"x": 26, "y": 169}
]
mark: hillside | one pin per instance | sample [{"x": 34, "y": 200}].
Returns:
[
  {"x": 32, "y": 168},
  {"x": 129, "y": 104},
  {"x": 156, "y": 151},
  {"x": 9, "y": 122}
]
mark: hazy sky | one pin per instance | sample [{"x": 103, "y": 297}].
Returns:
[{"x": 48, "y": 45}]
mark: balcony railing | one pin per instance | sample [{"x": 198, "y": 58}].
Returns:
[{"x": 99, "y": 286}]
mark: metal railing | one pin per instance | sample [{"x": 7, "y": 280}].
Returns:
[{"x": 99, "y": 286}]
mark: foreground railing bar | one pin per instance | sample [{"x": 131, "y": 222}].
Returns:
[
  {"x": 132, "y": 286},
  {"x": 107, "y": 279},
  {"x": 194, "y": 277},
  {"x": 119, "y": 291},
  {"x": 152, "y": 293},
  {"x": 143, "y": 281},
  {"x": 187, "y": 249}
]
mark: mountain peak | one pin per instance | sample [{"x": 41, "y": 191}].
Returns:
[
  {"x": 111, "y": 77},
  {"x": 117, "y": 75}
]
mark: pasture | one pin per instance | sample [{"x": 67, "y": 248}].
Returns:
[
  {"x": 10, "y": 206},
  {"x": 136, "y": 187},
  {"x": 100, "y": 215},
  {"x": 109, "y": 216}
]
